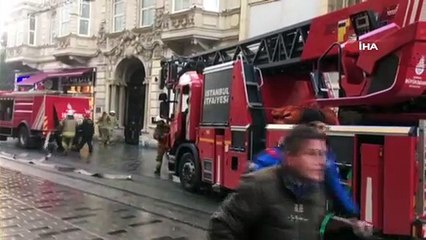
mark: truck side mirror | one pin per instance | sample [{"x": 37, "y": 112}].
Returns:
[
  {"x": 164, "y": 110},
  {"x": 163, "y": 77},
  {"x": 174, "y": 72}
]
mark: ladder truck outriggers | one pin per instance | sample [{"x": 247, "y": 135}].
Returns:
[{"x": 374, "y": 50}]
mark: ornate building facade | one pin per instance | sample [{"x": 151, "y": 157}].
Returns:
[{"x": 121, "y": 42}]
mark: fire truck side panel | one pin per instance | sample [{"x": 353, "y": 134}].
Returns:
[
  {"x": 237, "y": 135},
  {"x": 57, "y": 107},
  {"x": 37, "y": 116},
  {"x": 195, "y": 104},
  {"x": 219, "y": 157},
  {"x": 239, "y": 113},
  {"x": 7, "y": 106},
  {"x": 24, "y": 108},
  {"x": 414, "y": 59},
  {"x": 399, "y": 184},
  {"x": 223, "y": 131},
  {"x": 371, "y": 181},
  {"x": 207, "y": 146},
  {"x": 236, "y": 155},
  {"x": 51, "y": 120}
]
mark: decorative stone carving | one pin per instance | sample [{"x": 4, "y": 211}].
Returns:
[
  {"x": 18, "y": 51},
  {"x": 102, "y": 39},
  {"x": 133, "y": 44},
  {"x": 183, "y": 21},
  {"x": 47, "y": 5},
  {"x": 64, "y": 42},
  {"x": 158, "y": 51},
  {"x": 159, "y": 17}
]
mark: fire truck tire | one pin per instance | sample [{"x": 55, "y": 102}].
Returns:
[
  {"x": 189, "y": 172},
  {"x": 24, "y": 138}
]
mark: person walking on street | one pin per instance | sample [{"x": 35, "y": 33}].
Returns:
[
  {"x": 88, "y": 128},
  {"x": 160, "y": 134},
  {"x": 112, "y": 123},
  {"x": 102, "y": 123},
  {"x": 69, "y": 128}
]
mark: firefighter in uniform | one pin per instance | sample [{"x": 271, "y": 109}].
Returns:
[
  {"x": 160, "y": 134},
  {"x": 69, "y": 128}
]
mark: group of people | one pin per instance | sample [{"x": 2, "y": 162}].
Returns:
[
  {"x": 285, "y": 195},
  {"x": 73, "y": 134},
  {"x": 106, "y": 124}
]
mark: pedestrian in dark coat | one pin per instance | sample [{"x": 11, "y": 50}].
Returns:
[{"x": 88, "y": 130}]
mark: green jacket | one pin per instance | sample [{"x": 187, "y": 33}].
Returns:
[{"x": 266, "y": 206}]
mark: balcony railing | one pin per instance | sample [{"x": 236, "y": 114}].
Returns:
[
  {"x": 74, "y": 45},
  {"x": 200, "y": 23}
]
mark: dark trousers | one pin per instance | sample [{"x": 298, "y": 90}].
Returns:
[{"x": 88, "y": 140}]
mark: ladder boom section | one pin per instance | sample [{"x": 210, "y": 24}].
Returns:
[{"x": 278, "y": 48}]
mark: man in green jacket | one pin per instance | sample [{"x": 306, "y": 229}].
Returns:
[{"x": 284, "y": 202}]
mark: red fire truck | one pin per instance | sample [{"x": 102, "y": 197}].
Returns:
[
  {"x": 222, "y": 103},
  {"x": 32, "y": 116}
]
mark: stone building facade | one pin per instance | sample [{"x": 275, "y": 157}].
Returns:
[{"x": 122, "y": 40}]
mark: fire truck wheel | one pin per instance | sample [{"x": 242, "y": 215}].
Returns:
[
  {"x": 189, "y": 173},
  {"x": 24, "y": 137}
]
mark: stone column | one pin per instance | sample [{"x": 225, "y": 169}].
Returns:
[
  {"x": 113, "y": 96},
  {"x": 122, "y": 105},
  {"x": 107, "y": 96}
]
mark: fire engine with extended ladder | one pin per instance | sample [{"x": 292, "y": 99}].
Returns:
[{"x": 375, "y": 51}]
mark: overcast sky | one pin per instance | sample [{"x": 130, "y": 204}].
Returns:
[{"x": 5, "y": 7}]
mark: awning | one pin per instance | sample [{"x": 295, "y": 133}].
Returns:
[
  {"x": 33, "y": 79},
  {"x": 62, "y": 73},
  {"x": 70, "y": 72},
  {"x": 79, "y": 107}
]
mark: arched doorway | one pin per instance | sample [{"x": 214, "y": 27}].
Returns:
[{"x": 130, "y": 97}]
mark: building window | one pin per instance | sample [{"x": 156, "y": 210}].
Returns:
[
  {"x": 65, "y": 19},
  {"x": 84, "y": 21},
  {"x": 32, "y": 30},
  {"x": 53, "y": 28},
  {"x": 19, "y": 38},
  {"x": 118, "y": 21},
  {"x": 211, "y": 5},
  {"x": 179, "y": 5},
  {"x": 147, "y": 12},
  {"x": 334, "y": 5}
]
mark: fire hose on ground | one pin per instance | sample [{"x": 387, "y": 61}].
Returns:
[{"x": 63, "y": 168}]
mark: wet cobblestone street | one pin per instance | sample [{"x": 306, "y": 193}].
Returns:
[{"x": 33, "y": 208}]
